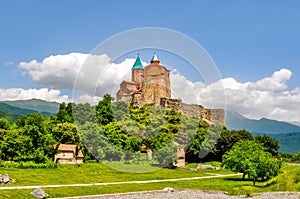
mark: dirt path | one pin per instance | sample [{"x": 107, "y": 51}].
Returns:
[{"x": 116, "y": 183}]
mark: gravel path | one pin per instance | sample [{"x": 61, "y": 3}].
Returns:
[{"x": 170, "y": 193}]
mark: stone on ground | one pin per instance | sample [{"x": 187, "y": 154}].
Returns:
[{"x": 39, "y": 193}]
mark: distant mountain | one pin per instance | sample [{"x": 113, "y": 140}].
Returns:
[
  {"x": 10, "y": 116},
  {"x": 36, "y": 105},
  {"x": 289, "y": 142},
  {"x": 14, "y": 110},
  {"x": 237, "y": 121},
  {"x": 13, "y": 113}
]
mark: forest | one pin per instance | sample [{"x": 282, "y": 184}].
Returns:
[{"x": 116, "y": 131}]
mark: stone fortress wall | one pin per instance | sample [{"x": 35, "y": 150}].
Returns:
[
  {"x": 151, "y": 85},
  {"x": 212, "y": 116}
]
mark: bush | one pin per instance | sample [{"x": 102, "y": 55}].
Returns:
[{"x": 27, "y": 165}]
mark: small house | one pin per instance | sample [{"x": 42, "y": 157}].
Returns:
[{"x": 67, "y": 154}]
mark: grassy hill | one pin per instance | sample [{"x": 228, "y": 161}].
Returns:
[
  {"x": 14, "y": 110},
  {"x": 36, "y": 105},
  {"x": 14, "y": 113},
  {"x": 10, "y": 116},
  {"x": 289, "y": 142}
]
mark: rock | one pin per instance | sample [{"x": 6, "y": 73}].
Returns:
[
  {"x": 39, "y": 193},
  {"x": 4, "y": 179},
  {"x": 169, "y": 189}
]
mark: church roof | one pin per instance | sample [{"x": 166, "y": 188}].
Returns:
[
  {"x": 137, "y": 64},
  {"x": 154, "y": 58}
]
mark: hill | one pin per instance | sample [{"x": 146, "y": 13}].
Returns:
[
  {"x": 14, "y": 110},
  {"x": 289, "y": 142},
  {"x": 10, "y": 116},
  {"x": 14, "y": 113},
  {"x": 264, "y": 125},
  {"x": 35, "y": 105}
]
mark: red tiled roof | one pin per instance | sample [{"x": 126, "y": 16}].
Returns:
[
  {"x": 70, "y": 147},
  {"x": 67, "y": 147}
]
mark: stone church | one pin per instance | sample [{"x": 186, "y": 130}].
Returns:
[{"x": 151, "y": 85}]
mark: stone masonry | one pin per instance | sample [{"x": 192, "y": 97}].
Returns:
[{"x": 151, "y": 85}]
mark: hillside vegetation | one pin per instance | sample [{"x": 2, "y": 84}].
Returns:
[
  {"x": 13, "y": 113},
  {"x": 36, "y": 105},
  {"x": 121, "y": 135},
  {"x": 116, "y": 131}
]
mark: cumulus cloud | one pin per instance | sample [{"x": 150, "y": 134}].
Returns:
[
  {"x": 46, "y": 94},
  {"x": 25, "y": 94},
  {"x": 93, "y": 100},
  {"x": 184, "y": 89},
  {"x": 92, "y": 76},
  {"x": 268, "y": 97},
  {"x": 276, "y": 82}
]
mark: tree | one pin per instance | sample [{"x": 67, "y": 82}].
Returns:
[
  {"x": 271, "y": 145},
  {"x": 83, "y": 113},
  {"x": 104, "y": 110},
  {"x": 120, "y": 110},
  {"x": 166, "y": 155},
  {"x": 98, "y": 144},
  {"x": 65, "y": 133},
  {"x": 38, "y": 129},
  {"x": 250, "y": 158},
  {"x": 5, "y": 124},
  {"x": 192, "y": 152},
  {"x": 13, "y": 146},
  {"x": 64, "y": 113},
  {"x": 225, "y": 142}
]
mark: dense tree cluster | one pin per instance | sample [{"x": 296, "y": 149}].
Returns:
[
  {"x": 290, "y": 157},
  {"x": 34, "y": 137},
  {"x": 117, "y": 131},
  {"x": 125, "y": 131},
  {"x": 251, "y": 158}
]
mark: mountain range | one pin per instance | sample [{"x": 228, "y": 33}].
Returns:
[
  {"x": 288, "y": 134},
  {"x": 13, "y": 110},
  {"x": 35, "y": 105},
  {"x": 263, "y": 125}
]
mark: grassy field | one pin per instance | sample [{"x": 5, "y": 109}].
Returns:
[
  {"x": 95, "y": 173},
  {"x": 288, "y": 180}
]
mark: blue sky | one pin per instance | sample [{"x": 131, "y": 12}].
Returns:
[{"x": 248, "y": 40}]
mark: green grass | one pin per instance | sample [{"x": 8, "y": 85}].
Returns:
[
  {"x": 288, "y": 180},
  {"x": 94, "y": 173}
]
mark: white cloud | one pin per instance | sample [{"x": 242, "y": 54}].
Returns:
[
  {"x": 276, "y": 82},
  {"x": 50, "y": 95},
  {"x": 25, "y": 94},
  {"x": 87, "y": 98},
  {"x": 93, "y": 74},
  {"x": 268, "y": 97},
  {"x": 184, "y": 89}
]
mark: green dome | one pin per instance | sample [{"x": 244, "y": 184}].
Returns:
[{"x": 138, "y": 64}]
